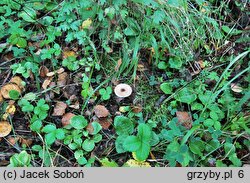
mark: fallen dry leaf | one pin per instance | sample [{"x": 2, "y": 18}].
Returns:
[
  {"x": 62, "y": 79},
  {"x": 43, "y": 71},
  {"x": 12, "y": 140},
  {"x": 46, "y": 83},
  {"x": 66, "y": 118},
  {"x": 101, "y": 111},
  {"x": 1, "y": 98},
  {"x": 86, "y": 23},
  {"x": 236, "y": 88},
  {"x": 67, "y": 54},
  {"x": 90, "y": 128},
  {"x": 50, "y": 74},
  {"x": 60, "y": 71},
  {"x": 11, "y": 109},
  {"x": 59, "y": 109},
  {"x": 105, "y": 122},
  {"x": 136, "y": 109},
  {"x": 184, "y": 119},
  {"x": 202, "y": 64},
  {"x": 135, "y": 163},
  {"x": 5, "y": 128},
  {"x": 26, "y": 142},
  {"x": 7, "y": 88},
  {"x": 74, "y": 103},
  {"x": 119, "y": 63},
  {"x": 141, "y": 68}
]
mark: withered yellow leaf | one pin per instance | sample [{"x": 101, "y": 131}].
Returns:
[
  {"x": 11, "y": 109},
  {"x": 135, "y": 163},
  {"x": 86, "y": 23}
]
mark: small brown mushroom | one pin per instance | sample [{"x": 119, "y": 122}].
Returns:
[
  {"x": 5, "y": 128},
  {"x": 7, "y": 88},
  {"x": 123, "y": 90}
]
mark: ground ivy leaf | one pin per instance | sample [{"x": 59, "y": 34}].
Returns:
[{"x": 88, "y": 145}]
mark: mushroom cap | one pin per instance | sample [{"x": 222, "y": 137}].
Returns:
[
  {"x": 7, "y": 88},
  {"x": 5, "y": 128},
  {"x": 123, "y": 90}
]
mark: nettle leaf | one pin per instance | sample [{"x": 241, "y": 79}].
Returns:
[
  {"x": 88, "y": 145},
  {"x": 123, "y": 125},
  {"x": 186, "y": 95},
  {"x": 78, "y": 122},
  {"x": 166, "y": 88}
]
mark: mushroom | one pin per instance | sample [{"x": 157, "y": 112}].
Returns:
[
  {"x": 5, "y": 128},
  {"x": 7, "y": 88},
  {"x": 123, "y": 90}
]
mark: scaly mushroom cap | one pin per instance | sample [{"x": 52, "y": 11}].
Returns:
[{"x": 123, "y": 90}]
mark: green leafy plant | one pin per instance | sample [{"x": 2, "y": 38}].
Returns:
[
  {"x": 52, "y": 133},
  {"x": 22, "y": 159},
  {"x": 139, "y": 144},
  {"x": 105, "y": 93},
  {"x": 81, "y": 140}
]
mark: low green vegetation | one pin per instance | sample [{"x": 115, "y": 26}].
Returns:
[{"x": 187, "y": 62}]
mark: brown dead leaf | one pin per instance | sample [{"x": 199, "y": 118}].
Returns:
[
  {"x": 90, "y": 128},
  {"x": 1, "y": 98},
  {"x": 136, "y": 109},
  {"x": 105, "y": 122},
  {"x": 141, "y": 68},
  {"x": 66, "y": 118},
  {"x": 7, "y": 88},
  {"x": 184, "y": 119},
  {"x": 43, "y": 71},
  {"x": 202, "y": 64},
  {"x": 236, "y": 88},
  {"x": 12, "y": 140},
  {"x": 26, "y": 142},
  {"x": 62, "y": 79},
  {"x": 101, "y": 111},
  {"x": 119, "y": 62},
  {"x": 11, "y": 109},
  {"x": 60, "y": 71},
  {"x": 50, "y": 74},
  {"x": 46, "y": 83},
  {"x": 5, "y": 128},
  {"x": 59, "y": 109},
  {"x": 67, "y": 54},
  {"x": 74, "y": 103}
]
